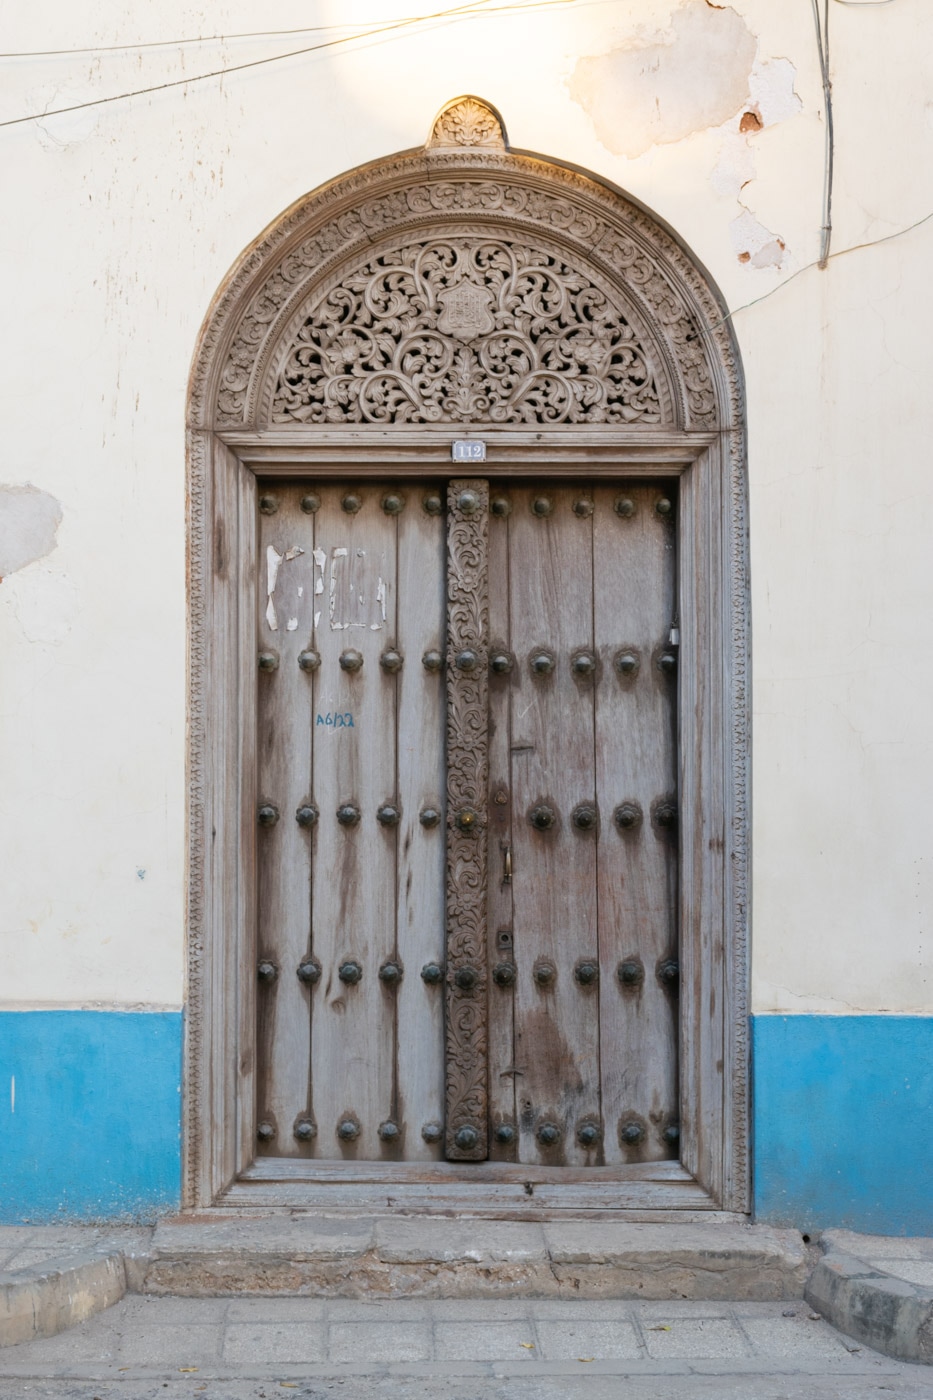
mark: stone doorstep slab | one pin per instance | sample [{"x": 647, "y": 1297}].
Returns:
[
  {"x": 432, "y": 1257},
  {"x": 875, "y": 1307},
  {"x": 58, "y": 1294}
]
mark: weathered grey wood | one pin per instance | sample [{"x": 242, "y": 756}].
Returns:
[
  {"x": 706, "y": 840},
  {"x": 241, "y": 981},
  {"x": 703, "y": 1088},
  {"x": 421, "y": 788},
  {"x": 285, "y": 608},
  {"x": 222, "y": 810},
  {"x": 354, "y": 898},
  {"x": 553, "y": 871},
  {"x": 359, "y": 452},
  {"x": 296, "y": 1169},
  {"x": 499, "y": 936},
  {"x": 634, "y": 607}
]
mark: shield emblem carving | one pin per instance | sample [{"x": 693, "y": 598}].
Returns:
[{"x": 465, "y": 311}]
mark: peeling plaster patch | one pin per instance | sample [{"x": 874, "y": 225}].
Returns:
[
  {"x": 754, "y": 244},
  {"x": 772, "y": 99},
  {"x": 771, "y": 89},
  {"x": 44, "y": 603},
  {"x": 735, "y": 167},
  {"x": 29, "y": 519},
  {"x": 665, "y": 86}
]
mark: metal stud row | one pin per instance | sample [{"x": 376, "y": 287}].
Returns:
[
  {"x": 348, "y": 814},
  {"x": 392, "y": 503},
  {"x": 627, "y": 816},
  {"x": 632, "y": 1132},
  {"x": 630, "y": 973},
  {"x": 350, "y": 660},
  {"x": 583, "y": 506},
  {"x": 350, "y": 972},
  {"x": 542, "y": 662}
]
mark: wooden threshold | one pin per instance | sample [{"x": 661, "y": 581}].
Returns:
[{"x": 655, "y": 1191}]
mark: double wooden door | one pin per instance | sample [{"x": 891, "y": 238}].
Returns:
[{"x": 467, "y": 939}]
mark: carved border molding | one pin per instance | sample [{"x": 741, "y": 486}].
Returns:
[
  {"x": 337, "y": 226},
  {"x": 467, "y": 783},
  {"x": 451, "y": 185}
]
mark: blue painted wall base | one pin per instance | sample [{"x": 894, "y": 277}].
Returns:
[
  {"x": 90, "y": 1115},
  {"x": 843, "y": 1114}
]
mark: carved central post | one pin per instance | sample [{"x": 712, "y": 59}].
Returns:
[{"x": 467, "y": 782}]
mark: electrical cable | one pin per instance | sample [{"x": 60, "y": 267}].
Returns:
[
  {"x": 474, "y": 7},
  {"x": 822, "y": 44},
  {"x": 177, "y": 43},
  {"x": 250, "y": 34},
  {"x": 807, "y": 267}
]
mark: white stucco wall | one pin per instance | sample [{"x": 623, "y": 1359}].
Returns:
[{"x": 121, "y": 221}]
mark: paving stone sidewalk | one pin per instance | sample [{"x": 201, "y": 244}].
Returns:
[{"x": 459, "y": 1349}]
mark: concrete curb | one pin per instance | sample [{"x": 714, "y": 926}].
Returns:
[
  {"x": 877, "y": 1308},
  {"x": 58, "y": 1294}
]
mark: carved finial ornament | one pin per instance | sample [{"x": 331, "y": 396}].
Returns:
[{"x": 468, "y": 121}]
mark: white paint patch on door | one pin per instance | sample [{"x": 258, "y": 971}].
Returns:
[
  {"x": 355, "y": 597},
  {"x": 274, "y": 561}
]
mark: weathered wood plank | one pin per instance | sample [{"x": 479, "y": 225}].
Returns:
[
  {"x": 222, "y": 793},
  {"x": 422, "y": 791},
  {"x": 295, "y": 1169},
  {"x": 553, "y": 869},
  {"x": 354, "y": 897},
  {"x": 241, "y": 979},
  {"x": 500, "y": 949},
  {"x": 284, "y": 627},
  {"x": 636, "y": 767}
]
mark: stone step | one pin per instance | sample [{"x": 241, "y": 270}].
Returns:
[{"x": 431, "y": 1257}]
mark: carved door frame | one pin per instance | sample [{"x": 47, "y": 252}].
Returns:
[{"x": 678, "y": 412}]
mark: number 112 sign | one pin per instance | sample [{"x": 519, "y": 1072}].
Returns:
[{"x": 468, "y": 450}]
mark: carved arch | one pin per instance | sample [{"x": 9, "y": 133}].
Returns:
[
  {"x": 564, "y": 297},
  {"x": 479, "y": 287}
]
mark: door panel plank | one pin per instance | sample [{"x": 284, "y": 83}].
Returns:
[
  {"x": 284, "y": 747},
  {"x": 422, "y": 789},
  {"x": 354, "y": 897},
  {"x": 554, "y": 871},
  {"x": 636, "y": 764},
  {"x": 502, "y": 1116}
]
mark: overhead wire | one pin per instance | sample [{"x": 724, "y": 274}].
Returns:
[
  {"x": 196, "y": 39},
  {"x": 473, "y": 7}
]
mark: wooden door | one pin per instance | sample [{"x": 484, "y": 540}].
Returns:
[{"x": 467, "y": 940}]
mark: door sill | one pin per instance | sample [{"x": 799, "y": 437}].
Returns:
[{"x": 651, "y": 1190}]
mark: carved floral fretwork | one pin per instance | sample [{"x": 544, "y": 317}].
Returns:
[
  {"x": 465, "y": 330},
  {"x": 467, "y": 782}
]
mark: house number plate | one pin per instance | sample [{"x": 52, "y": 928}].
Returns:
[{"x": 468, "y": 450}]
